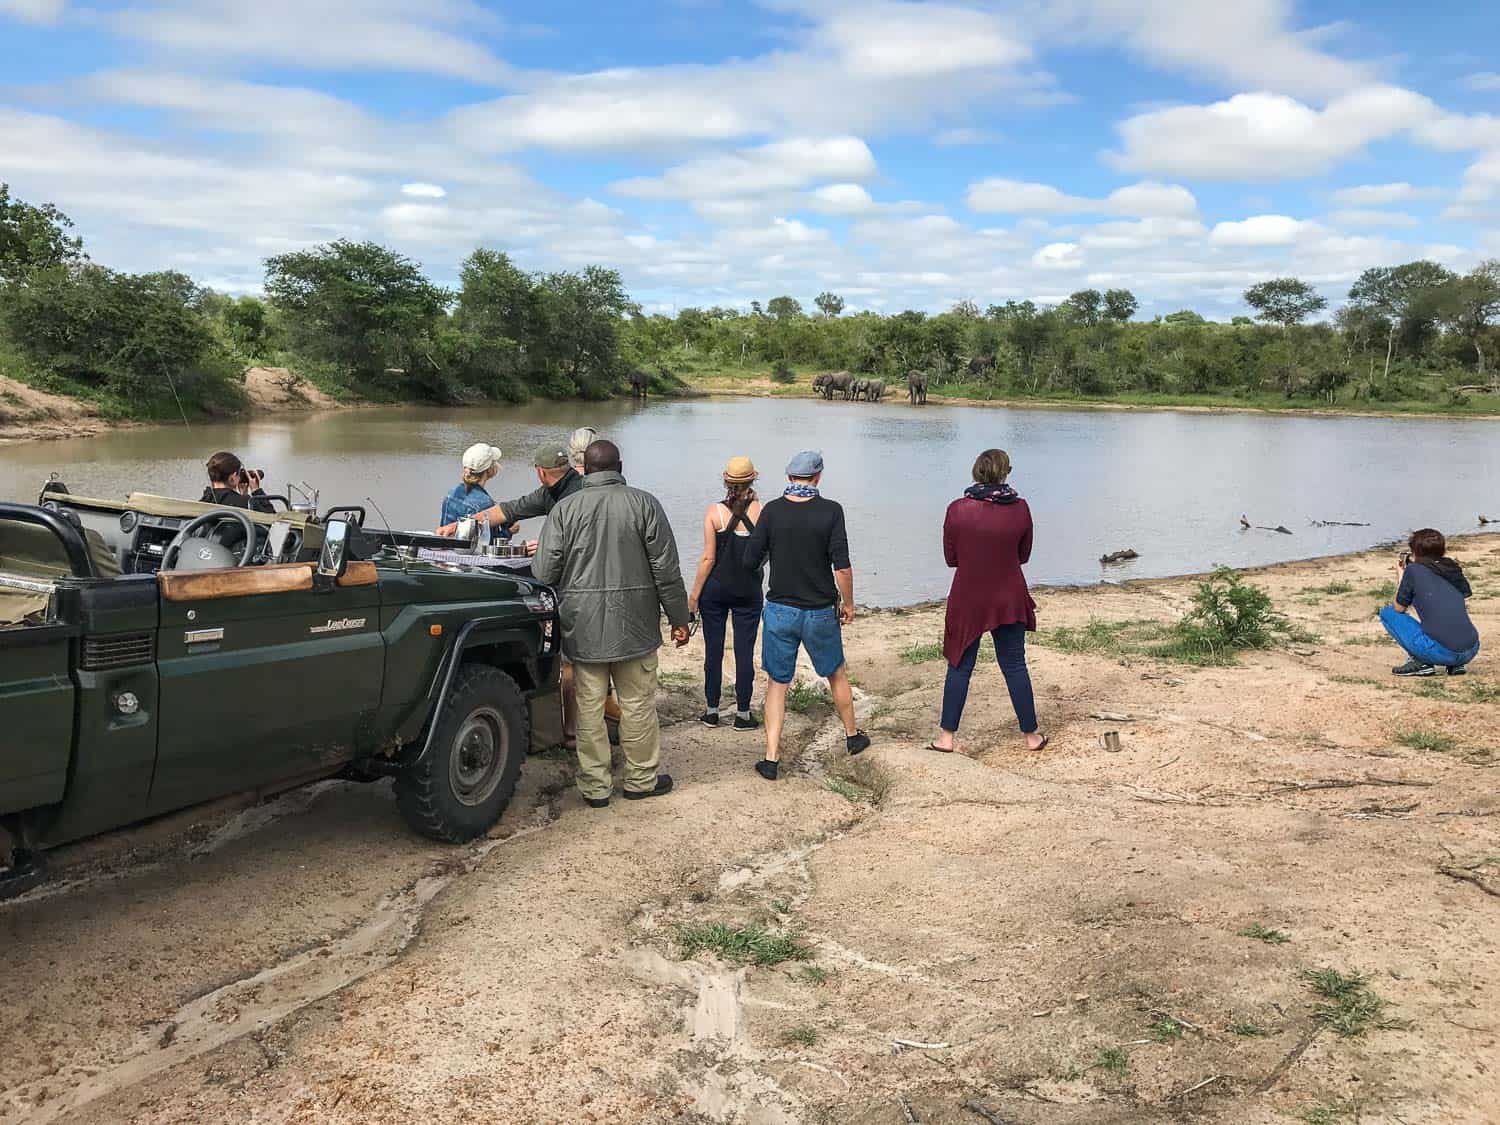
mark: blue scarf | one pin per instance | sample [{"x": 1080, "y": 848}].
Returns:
[
  {"x": 806, "y": 490},
  {"x": 992, "y": 493}
]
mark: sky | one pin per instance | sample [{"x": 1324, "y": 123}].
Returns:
[{"x": 903, "y": 155}]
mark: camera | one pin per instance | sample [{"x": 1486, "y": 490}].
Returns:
[{"x": 1405, "y": 557}]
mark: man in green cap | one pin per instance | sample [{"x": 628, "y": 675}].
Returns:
[{"x": 558, "y": 480}]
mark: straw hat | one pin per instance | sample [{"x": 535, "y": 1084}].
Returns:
[{"x": 740, "y": 470}]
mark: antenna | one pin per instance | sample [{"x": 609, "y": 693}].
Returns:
[{"x": 391, "y": 532}]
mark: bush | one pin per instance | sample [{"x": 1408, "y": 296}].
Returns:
[
  {"x": 1228, "y": 614},
  {"x": 783, "y": 373}
]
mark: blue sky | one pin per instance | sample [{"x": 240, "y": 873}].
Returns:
[{"x": 902, "y": 154}]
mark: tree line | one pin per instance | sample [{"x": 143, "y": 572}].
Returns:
[{"x": 360, "y": 319}]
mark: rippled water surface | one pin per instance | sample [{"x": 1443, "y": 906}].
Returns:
[{"x": 1170, "y": 485}]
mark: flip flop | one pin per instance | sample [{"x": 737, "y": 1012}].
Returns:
[
  {"x": 941, "y": 749},
  {"x": 1043, "y": 746}
]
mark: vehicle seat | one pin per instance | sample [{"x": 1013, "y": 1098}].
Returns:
[{"x": 32, "y": 551}]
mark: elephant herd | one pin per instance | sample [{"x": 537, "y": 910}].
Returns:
[{"x": 853, "y": 388}]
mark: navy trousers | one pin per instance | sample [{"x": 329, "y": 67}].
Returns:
[
  {"x": 1010, "y": 651},
  {"x": 717, "y": 606}
]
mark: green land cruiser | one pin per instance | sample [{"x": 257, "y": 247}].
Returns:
[{"x": 157, "y": 653}]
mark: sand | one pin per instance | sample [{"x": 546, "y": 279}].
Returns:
[{"x": 1050, "y": 937}]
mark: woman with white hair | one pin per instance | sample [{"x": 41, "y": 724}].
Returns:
[
  {"x": 582, "y": 437},
  {"x": 481, "y": 463}
]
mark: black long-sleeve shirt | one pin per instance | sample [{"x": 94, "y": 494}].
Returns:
[
  {"x": 541, "y": 501},
  {"x": 806, "y": 541},
  {"x": 257, "y": 501}
]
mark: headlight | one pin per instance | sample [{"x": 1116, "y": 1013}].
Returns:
[{"x": 542, "y": 603}]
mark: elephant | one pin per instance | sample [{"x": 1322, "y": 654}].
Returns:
[
  {"x": 837, "y": 383},
  {"x": 875, "y": 391},
  {"x": 916, "y": 387},
  {"x": 820, "y": 381},
  {"x": 858, "y": 388},
  {"x": 981, "y": 365},
  {"x": 638, "y": 383}
]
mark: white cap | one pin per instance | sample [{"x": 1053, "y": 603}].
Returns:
[{"x": 481, "y": 458}]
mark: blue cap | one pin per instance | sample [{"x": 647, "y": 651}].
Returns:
[{"x": 808, "y": 463}]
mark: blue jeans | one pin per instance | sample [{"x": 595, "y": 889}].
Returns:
[
  {"x": 717, "y": 606},
  {"x": 816, "y": 630},
  {"x": 1407, "y": 632},
  {"x": 1010, "y": 651}
]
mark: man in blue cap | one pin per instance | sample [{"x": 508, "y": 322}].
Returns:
[{"x": 811, "y": 597}]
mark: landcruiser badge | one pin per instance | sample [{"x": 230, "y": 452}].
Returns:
[{"x": 339, "y": 626}]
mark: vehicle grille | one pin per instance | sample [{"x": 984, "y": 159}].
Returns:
[{"x": 119, "y": 650}]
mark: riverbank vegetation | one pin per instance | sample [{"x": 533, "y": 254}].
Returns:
[{"x": 360, "y": 321}]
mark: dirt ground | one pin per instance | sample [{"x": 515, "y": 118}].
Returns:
[{"x": 994, "y": 935}]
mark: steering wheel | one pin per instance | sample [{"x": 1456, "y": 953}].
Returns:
[{"x": 209, "y": 555}]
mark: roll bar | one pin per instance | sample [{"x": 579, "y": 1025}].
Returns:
[{"x": 70, "y": 537}]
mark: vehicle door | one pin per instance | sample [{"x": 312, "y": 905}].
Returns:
[{"x": 264, "y": 679}]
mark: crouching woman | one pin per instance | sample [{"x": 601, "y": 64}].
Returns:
[
  {"x": 1441, "y": 635},
  {"x": 987, "y": 539}
]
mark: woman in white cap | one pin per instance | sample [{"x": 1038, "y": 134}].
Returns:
[{"x": 468, "y": 498}]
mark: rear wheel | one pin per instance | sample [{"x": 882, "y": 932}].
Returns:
[{"x": 462, "y": 785}]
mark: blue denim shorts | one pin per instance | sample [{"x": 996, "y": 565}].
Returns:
[{"x": 817, "y": 630}]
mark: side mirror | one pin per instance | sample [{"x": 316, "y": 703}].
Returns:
[{"x": 334, "y": 559}]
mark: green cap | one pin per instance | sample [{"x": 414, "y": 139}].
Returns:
[{"x": 551, "y": 456}]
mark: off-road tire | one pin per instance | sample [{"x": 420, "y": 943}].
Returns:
[{"x": 484, "y": 705}]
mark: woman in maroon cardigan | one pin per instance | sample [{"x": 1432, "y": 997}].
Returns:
[{"x": 986, "y": 538}]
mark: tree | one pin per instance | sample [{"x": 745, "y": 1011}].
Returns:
[
  {"x": 1471, "y": 302},
  {"x": 356, "y": 304},
  {"x": 1084, "y": 307},
  {"x": 784, "y": 308},
  {"x": 1184, "y": 317},
  {"x": 1119, "y": 305},
  {"x": 580, "y": 343},
  {"x": 965, "y": 310},
  {"x": 1402, "y": 295},
  {"x": 33, "y": 238},
  {"x": 1286, "y": 301},
  {"x": 829, "y": 304}
]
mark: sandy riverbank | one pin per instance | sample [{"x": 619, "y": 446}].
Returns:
[
  {"x": 27, "y": 414},
  {"x": 1055, "y": 937}
]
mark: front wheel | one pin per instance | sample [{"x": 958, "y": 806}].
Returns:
[{"x": 463, "y": 783}]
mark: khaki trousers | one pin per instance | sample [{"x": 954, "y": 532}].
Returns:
[{"x": 640, "y": 730}]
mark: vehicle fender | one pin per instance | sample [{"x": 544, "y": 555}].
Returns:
[{"x": 474, "y": 633}]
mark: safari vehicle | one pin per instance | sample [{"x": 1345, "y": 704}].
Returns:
[{"x": 158, "y": 653}]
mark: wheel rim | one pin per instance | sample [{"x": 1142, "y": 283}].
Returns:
[{"x": 478, "y": 759}]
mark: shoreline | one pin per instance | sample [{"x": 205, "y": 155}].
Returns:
[{"x": 767, "y": 389}]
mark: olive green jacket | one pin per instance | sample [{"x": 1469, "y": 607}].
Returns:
[{"x": 609, "y": 550}]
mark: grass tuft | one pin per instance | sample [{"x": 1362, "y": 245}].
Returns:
[
  {"x": 860, "y": 781},
  {"x": 1248, "y": 1029},
  {"x": 1112, "y": 1060},
  {"x": 750, "y": 943},
  {"x": 1422, "y": 738},
  {"x": 815, "y": 974},
  {"x": 1350, "y": 1006},
  {"x": 803, "y": 1036},
  {"x": 802, "y": 698},
  {"x": 1261, "y": 933},
  {"x": 1166, "y": 1030},
  {"x": 921, "y": 654}
]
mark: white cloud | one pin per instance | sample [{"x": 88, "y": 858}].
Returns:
[
  {"x": 1058, "y": 256},
  {"x": 33, "y": 11},
  {"x": 1378, "y": 195},
  {"x": 1018, "y": 197},
  {"x": 424, "y": 191},
  {"x": 427, "y": 36},
  {"x": 1365, "y": 217},
  {"x": 1264, "y": 136},
  {"x": 1479, "y": 196},
  {"x": 1486, "y": 82},
  {"x": 887, "y": 41},
  {"x": 1250, "y": 43},
  {"x": 1141, "y": 233},
  {"x": 776, "y": 167},
  {"x": 1260, "y": 230},
  {"x": 842, "y": 199}
]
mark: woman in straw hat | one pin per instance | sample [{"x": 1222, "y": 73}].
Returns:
[{"x": 725, "y": 588}]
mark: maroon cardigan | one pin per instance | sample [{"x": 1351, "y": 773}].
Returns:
[{"x": 986, "y": 543}]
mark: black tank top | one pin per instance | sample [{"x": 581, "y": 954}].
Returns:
[{"x": 730, "y": 570}]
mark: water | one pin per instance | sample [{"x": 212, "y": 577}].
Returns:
[{"x": 1170, "y": 485}]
